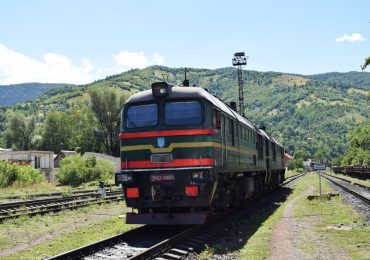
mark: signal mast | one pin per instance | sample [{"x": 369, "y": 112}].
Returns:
[{"x": 239, "y": 61}]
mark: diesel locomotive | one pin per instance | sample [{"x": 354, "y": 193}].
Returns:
[{"x": 186, "y": 155}]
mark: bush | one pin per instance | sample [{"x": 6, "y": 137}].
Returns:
[
  {"x": 75, "y": 170},
  {"x": 11, "y": 173},
  {"x": 295, "y": 164}
]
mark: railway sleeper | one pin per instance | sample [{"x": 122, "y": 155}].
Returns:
[
  {"x": 179, "y": 251},
  {"x": 172, "y": 256}
]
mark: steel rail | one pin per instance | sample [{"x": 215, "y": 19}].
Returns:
[
  {"x": 354, "y": 183},
  {"x": 14, "y": 205},
  {"x": 166, "y": 245},
  {"x": 53, "y": 194},
  {"x": 55, "y": 207},
  {"x": 363, "y": 198},
  {"x": 249, "y": 206}
]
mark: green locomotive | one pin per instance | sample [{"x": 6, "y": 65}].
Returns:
[{"x": 185, "y": 154}]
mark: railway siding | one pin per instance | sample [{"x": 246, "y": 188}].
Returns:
[
  {"x": 356, "y": 195},
  {"x": 350, "y": 179},
  {"x": 43, "y": 206}
]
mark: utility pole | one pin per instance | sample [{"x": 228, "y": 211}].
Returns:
[{"x": 239, "y": 61}]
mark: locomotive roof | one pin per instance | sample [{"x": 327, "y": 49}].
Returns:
[
  {"x": 268, "y": 136},
  {"x": 178, "y": 92}
]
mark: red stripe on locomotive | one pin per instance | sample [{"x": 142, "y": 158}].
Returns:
[{"x": 174, "y": 163}]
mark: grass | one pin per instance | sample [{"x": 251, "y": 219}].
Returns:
[
  {"x": 55, "y": 233},
  {"x": 249, "y": 239},
  {"x": 360, "y": 91},
  {"x": 290, "y": 173},
  {"x": 317, "y": 234},
  {"x": 257, "y": 245},
  {"x": 329, "y": 219},
  {"x": 25, "y": 190},
  {"x": 290, "y": 80}
]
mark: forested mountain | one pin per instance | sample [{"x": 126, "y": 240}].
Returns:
[
  {"x": 354, "y": 78},
  {"x": 310, "y": 114},
  {"x": 18, "y": 93}
]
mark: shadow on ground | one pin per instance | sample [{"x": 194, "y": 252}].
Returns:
[{"x": 242, "y": 229}]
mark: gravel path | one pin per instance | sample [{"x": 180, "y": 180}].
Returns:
[
  {"x": 236, "y": 235},
  {"x": 284, "y": 232}
]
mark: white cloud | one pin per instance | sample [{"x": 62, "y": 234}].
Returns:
[
  {"x": 355, "y": 37},
  {"x": 53, "y": 68},
  {"x": 137, "y": 60},
  {"x": 16, "y": 67},
  {"x": 158, "y": 58}
]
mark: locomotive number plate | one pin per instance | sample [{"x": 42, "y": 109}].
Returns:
[{"x": 162, "y": 177}]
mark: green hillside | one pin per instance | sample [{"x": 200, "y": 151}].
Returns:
[
  {"x": 355, "y": 78},
  {"x": 314, "y": 116},
  {"x": 18, "y": 93}
]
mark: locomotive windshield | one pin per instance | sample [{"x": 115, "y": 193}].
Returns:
[
  {"x": 142, "y": 116},
  {"x": 183, "y": 113}
]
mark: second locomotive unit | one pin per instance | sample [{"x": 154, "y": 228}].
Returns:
[{"x": 185, "y": 155}]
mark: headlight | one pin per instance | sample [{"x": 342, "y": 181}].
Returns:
[{"x": 200, "y": 175}]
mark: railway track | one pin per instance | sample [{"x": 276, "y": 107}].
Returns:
[
  {"x": 171, "y": 242},
  {"x": 292, "y": 178},
  {"x": 361, "y": 193},
  {"x": 52, "y": 194},
  {"x": 352, "y": 183},
  {"x": 43, "y": 206}
]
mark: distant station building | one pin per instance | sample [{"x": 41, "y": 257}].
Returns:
[{"x": 42, "y": 160}]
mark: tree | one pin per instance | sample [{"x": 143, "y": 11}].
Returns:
[
  {"x": 366, "y": 63},
  {"x": 55, "y": 133},
  {"x": 19, "y": 131},
  {"x": 296, "y": 163},
  {"x": 358, "y": 151},
  {"x": 106, "y": 105},
  {"x": 81, "y": 122}
]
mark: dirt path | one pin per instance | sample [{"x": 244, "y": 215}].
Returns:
[
  {"x": 289, "y": 233},
  {"x": 283, "y": 233}
]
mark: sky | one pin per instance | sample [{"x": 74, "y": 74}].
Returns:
[{"x": 79, "y": 41}]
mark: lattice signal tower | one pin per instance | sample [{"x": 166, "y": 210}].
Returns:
[{"x": 239, "y": 61}]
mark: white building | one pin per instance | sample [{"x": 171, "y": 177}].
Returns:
[{"x": 42, "y": 160}]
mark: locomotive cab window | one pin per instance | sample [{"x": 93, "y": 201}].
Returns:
[
  {"x": 142, "y": 116},
  {"x": 183, "y": 113}
]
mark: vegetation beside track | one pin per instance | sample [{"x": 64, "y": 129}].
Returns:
[
  {"x": 25, "y": 191},
  {"x": 335, "y": 225},
  {"x": 42, "y": 236},
  {"x": 321, "y": 226},
  {"x": 291, "y": 173},
  {"x": 12, "y": 173}
]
